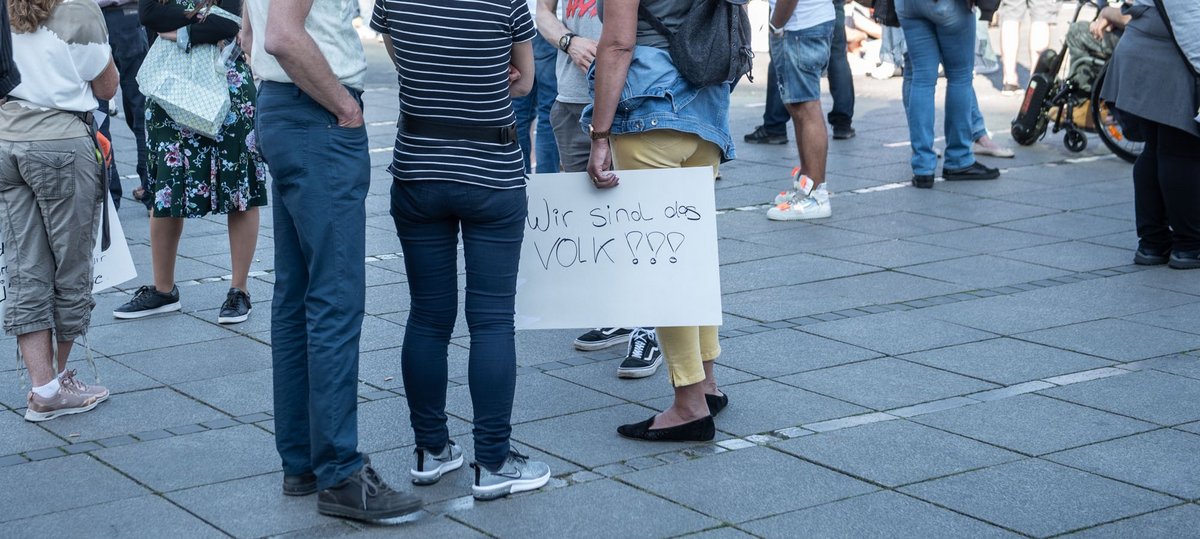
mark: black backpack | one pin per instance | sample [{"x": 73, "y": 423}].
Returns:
[{"x": 712, "y": 45}]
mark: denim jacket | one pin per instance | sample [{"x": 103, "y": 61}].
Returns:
[{"x": 656, "y": 96}]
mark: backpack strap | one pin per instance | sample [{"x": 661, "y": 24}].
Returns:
[{"x": 656, "y": 22}]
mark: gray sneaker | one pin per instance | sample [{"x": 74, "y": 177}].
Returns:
[
  {"x": 517, "y": 474},
  {"x": 429, "y": 467}
]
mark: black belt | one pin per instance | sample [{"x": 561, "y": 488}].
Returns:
[{"x": 422, "y": 127}]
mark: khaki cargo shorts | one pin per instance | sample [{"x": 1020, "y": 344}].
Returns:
[{"x": 50, "y": 196}]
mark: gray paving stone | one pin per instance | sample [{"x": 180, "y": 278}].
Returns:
[
  {"x": 170, "y": 332},
  {"x": 720, "y": 533},
  {"x": 1037, "y": 497},
  {"x": 19, "y": 436},
  {"x": 538, "y": 396},
  {"x": 131, "y": 413},
  {"x": 87, "y": 480},
  {"x": 224, "y": 505},
  {"x": 882, "y": 288},
  {"x": 211, "y": 457},
  {"x": 1163, "y": 460},
  {"x": 881, "y": 514},
  {"x": 1154, "y": 396},
  {"x": 984, "y": 239},
  {"x": 1107, "y": 298},
  {"x": 1006, "y": 361},
  {"x": 1181, "y": 521},
  {"x": 756, "y": 483},
  {"x": 205, "y": 360},
  {"x": 614, "y": 510},
  {"x": 780, "y": 303},
  {"x": 801, "y": 268},
  {"x": 897, "y": 333},
  {"x": 882, "y": 384},
  {"x": 1033, "y": 424},
  {"x": 984, "y": 271},
  {"x": 1111, "y": 339},
  {"x": 1073, "y": 256},
  {"x": 803, "y": 237},
  {"x": 732, "y": 251},
  {"x": 1007, "y": 315},
  {"x": 145, "y": 516},
  {"x": 765, "y": 405},
  {"x": 236, "y": 394},
  {"x": 438, "y": 526},
  {"x": 1190, "y": 427},
  {"x": 1181, "y": 318},
  {"x": 1073, "y": 198},
  {"x": 900, "y": 225},
  {"x": 894, "y": 453},
  {"x": 1071, "y": 225},
  {"x": 590, "y": 438},
  {"x": 787, "y": 351}
]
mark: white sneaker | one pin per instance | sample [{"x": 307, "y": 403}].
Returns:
[
  {"x": 428, "y": 467},
  {"x": 813, "y": 206},
  {"x": 800, "y": 184},
  {"x": 994, "y": 150}
]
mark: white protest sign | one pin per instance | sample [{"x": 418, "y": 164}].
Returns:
[
  {"x": 641, "y": 254},
  {"x": 111, "y": 267}
]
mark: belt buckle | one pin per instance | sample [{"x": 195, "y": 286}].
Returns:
[{"x": 508, "y": 133}]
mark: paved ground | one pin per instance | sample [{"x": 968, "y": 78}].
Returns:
[{"x": 976, "y": 360}]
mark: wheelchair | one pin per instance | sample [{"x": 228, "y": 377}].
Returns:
[{"x": 1052, "y": 98}]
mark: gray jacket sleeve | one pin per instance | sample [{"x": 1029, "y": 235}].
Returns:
[{"x": 1185, "y": 23}]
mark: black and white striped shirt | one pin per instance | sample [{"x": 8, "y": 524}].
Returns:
[{"x": 453, "y": 58}]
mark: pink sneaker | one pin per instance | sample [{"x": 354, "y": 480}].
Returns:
[{"x": 74, "y": 397}]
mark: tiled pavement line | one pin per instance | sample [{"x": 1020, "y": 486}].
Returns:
[{"x": 821, "y": 426}]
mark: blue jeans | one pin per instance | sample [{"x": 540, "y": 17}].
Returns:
[
  {"x": 321, "y": 174},
  {"x": 129, "y": 46},
  {"x": 841, "y": 83},
  {"x": 978, "y": 127},
  {"x": 938, "y": 32},
  {"x": 537, "y": 105},
  {"x": 798, "y": 58},
  {"x": 429, "y": 215}
]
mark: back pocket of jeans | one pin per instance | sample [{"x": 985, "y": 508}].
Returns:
[{"x": 50, "y": 173}]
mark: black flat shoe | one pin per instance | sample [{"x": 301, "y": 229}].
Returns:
[
  {"x": 700, "y": 430},
  {"x": 923, "y": 181},
  {"x": 299, "y": 485},
  {"x": 1150, "y": 257},
  {"x": 977, "y": 171},
  {"x": 716, "y": 403},
  {"x": 1184, "y": 260}
]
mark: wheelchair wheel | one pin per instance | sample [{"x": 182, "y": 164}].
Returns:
[
  {"x": 1027, "y": 137},
  {"x": 1075, "y": 140},
  {"x": 1107, "y": 126}
]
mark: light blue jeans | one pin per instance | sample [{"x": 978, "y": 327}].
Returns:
[{"x": 938, "y": 32}]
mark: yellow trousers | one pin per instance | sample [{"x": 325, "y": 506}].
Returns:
[{"x": 685, "y": 348}]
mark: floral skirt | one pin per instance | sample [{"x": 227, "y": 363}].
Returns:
[{"x": 192, "y": 175}]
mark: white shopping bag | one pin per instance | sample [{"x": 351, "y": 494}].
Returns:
[{"x": 113, "y": 266}]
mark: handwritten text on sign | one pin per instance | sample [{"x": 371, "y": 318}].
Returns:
[{"x": 641, "y": 254}]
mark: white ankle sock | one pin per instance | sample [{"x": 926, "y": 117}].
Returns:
[{"x": 48, "y": 390}]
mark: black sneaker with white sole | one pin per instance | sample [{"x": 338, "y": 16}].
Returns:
[
  {"x": 148, "y": 301},
  {"x": 236, "y": 308},
  {"x": 643, "y": 357},
  {"x": 601, "y": 338}
]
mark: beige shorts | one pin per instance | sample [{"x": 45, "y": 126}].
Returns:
[{"x": 50, "y": 196}]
